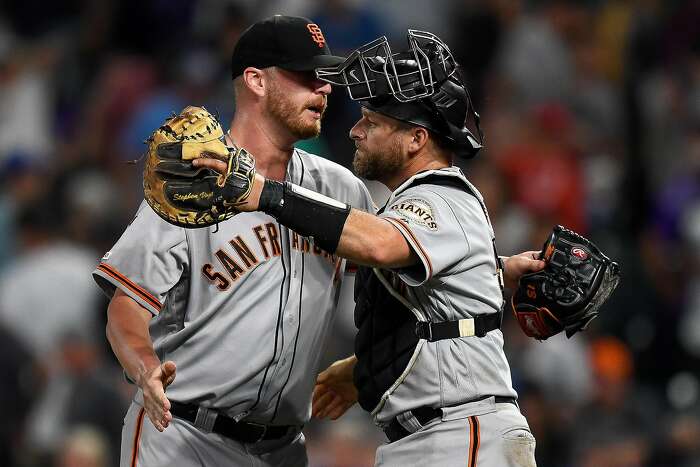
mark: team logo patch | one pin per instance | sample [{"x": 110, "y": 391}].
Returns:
[
  {"x": 579, "y": 252},
  {"x": 416, "y": 211},
  {"x": 316, "y": 34}
]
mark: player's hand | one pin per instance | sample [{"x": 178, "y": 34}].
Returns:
[
  {"x": 334, "y": 392},
  {"x": 517, "y": 265},
  {"x": 253, "y": 200},
  {"x": 153, "y": 384}
]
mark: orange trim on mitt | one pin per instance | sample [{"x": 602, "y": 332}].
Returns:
[{"x": 140, "y": 291}]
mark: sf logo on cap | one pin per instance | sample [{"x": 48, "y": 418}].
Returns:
[{"x": 316, "y": 34}]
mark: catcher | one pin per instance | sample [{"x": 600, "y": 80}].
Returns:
[{"x": 429, "y": 362}]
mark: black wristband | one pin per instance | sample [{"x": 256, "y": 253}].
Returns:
[
  {"x": 306, "y": 212},
  {"x": 271, "y": 198}
]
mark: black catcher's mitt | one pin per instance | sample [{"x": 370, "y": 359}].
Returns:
[{"x": 567, "y": 294}]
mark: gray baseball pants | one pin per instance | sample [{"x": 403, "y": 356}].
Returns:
[
  {"x": 495, "y": 435},
  {"x": 183, "y": 445}
]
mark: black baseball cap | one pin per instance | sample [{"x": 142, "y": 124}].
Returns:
[{"x": 289, "y": 42}]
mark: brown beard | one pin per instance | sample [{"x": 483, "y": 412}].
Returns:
[
  {"x": 284, "y": 111},
  {"x": 379, "y": 165}
]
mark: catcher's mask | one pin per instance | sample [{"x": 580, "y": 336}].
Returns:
[{"x": 421, "y": 86}]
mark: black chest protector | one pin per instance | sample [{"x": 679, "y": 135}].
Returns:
[{"x": 388, "y": 332}]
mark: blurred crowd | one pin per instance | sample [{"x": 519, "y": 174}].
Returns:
[{"x": 591, "y": 111}]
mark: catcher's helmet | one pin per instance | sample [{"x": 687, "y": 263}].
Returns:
[{"x": 422, "y": 86}]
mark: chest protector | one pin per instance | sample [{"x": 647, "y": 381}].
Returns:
[{"x": 387, "y": 338}]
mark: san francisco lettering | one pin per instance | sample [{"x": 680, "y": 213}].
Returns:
[{"x": 241, "y": 257}]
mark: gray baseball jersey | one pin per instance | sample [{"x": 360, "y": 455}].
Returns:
[
  {"x": 242, "y": 307},
  {"x": 456, "y": 278}
]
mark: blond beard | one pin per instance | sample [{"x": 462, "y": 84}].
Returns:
[
  {"x": 284, "y": 111},
  {"x": 379, "y": 165}
]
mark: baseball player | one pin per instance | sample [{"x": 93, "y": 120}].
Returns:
[
  {"x": 219, "y": 327},
  {"x": 429, "y": 362}
]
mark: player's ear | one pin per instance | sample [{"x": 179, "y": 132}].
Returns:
[
  {"x": 255, "y": 80},
  {"x": 418, "y": 139}
]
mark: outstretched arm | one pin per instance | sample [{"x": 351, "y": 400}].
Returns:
[
  {"x": 373, "y": 241},
  {"x": 353, "y": 234},
  {"x": 127, "y": 333}
]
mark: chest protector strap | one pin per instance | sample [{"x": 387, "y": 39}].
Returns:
[
  {"x": 390, "y": 328},
  {"x": 478, "y": 326}
]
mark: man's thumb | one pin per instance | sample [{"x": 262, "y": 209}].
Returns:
[
  {"x": 168, "y": 371},
  {"x": 322, "y": 377}
]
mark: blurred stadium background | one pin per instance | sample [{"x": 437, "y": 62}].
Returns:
[{"x": 592, "y": 116}]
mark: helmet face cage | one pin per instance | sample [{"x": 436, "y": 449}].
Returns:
[{"x": 374, "y": 71}]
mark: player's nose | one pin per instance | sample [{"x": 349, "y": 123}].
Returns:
[
  {"x": 356, "y": 131},
  {"x": 322, "y": 87}
]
